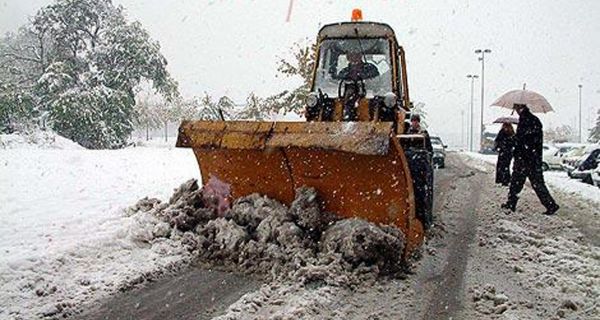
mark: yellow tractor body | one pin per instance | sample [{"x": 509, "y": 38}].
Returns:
[{"x": 351, "y": 149}]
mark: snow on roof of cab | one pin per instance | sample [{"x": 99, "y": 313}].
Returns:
[{"x": 348, "y": 30}]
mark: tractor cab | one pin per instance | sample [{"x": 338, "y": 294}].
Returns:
[
  {"x": 346, "y": 63},
  {"x": 357, "y": 74}
]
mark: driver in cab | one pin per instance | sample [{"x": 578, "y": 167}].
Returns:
[{"x": 358, "y": 69}]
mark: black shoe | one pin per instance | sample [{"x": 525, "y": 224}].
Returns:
[
  {"x": 510, "y": 206},
  {"x": 552, "y": 210}
]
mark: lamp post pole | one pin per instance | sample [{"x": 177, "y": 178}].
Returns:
[
  {"x": 462, "y": 129},
  {"x": 580, "y": 133},
  {"x": 482, "y": 52},
  {"x": 470, "y": 131}
]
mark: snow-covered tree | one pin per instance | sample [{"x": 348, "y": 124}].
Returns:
[
  {"x": 595, "y": 131},
  {"x": 208, "y": 109},
  {"x": 254, "y": 109},
  {"x": 300, "y": 66},
  {"x": 562, "y": 133},
  {"x": 16, "y": 108},
  {"x": 145, "y": 113},
  {"x": 81, "y": 61},
  {"x": 226, "y": 107},
  {"x": 24, "y": 56}
]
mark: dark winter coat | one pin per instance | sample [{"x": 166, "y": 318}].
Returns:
[
  {"x": 360, "y": 71},
  {"x": 504, "y": 145},
  {"x": 529, "y": 140},
  {"x": 424, "y": 132}
]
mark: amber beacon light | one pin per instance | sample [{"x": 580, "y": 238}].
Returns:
[{"x": 357, "y": 15}]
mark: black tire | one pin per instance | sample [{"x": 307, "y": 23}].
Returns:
[
  {"x": 421, "y": 170},
  {"x": 545, "y": 166}
]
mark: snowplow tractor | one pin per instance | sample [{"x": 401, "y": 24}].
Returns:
[{"x": 352, "y": 148}]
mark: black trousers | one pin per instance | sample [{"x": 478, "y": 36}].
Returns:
[{"x": 532, "y": 170}]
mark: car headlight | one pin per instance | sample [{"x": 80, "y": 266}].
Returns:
[{"x": 312, "y": 99}]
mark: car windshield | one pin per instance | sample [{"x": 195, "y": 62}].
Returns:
[
  {"x": 579, "y": 151},
  {"x": 335, "y": 55}
]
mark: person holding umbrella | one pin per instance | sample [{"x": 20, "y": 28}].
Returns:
[
  {"x": 528, "y": 148},
  {"x": 504, "y": 144}
]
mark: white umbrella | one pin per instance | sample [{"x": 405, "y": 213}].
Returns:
[{"x": 533, "y": 100}]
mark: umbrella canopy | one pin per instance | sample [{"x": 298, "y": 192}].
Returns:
[
  {"x": 512, "y": 120},
  {"x": 534, "y": 101}
]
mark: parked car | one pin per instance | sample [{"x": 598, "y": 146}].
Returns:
[
  {"x": 587, "y": 164},
  {"x": 551, "y": 159},
  {"x": 596, "y": 176},
  {"x": 487, "y": 144},
  {"x": 439, "y": 152},
  {"x": 570, "y": 159},
  {"x": 565, "y": 147},
  {"x": 555, "y": 153}
]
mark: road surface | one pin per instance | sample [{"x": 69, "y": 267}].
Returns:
[{"x": 478, "y": 263}]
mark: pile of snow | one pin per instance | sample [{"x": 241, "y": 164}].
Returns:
[
  {"x": 488, "y": 301},
  {"x": 559, "y": 180},
  {"x": 36, "y": 140},
  {"x": 260, "y": 235}
]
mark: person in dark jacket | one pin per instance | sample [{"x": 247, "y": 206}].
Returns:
[
  {"x": 504, "y": 144},
  {"x": 357, "y": 69},
  {"x": 421, "y": 171},
  {"x": 415, "y": 127},
  {"x": 528, "y": 161}
]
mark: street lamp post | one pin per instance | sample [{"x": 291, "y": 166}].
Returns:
[
  {"x": 462, "y": 129},
  {"x": 580, "y": 134},
  {"x": 472, "y": 77},
  {"x": 482, "y": 59}
]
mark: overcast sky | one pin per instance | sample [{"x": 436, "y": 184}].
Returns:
[{"x": 231, "y": 47}]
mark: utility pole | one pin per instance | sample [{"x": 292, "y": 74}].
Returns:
[
  {"x": 580, "y": 132},
  {"x": 462, "y": 128},
  {"x": 482, "y": 59},
  {"x": 472, "y": 77}
]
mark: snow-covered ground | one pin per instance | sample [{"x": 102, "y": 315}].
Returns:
[
  {"x": 63, "y": 230},
  {"x": 556, "y": 180},
  {"x": 66, "y": 239}
]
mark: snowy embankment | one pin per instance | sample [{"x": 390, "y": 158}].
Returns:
[
  {"x": 556, "y": 180},
  {"x": 64, "y": 236}
]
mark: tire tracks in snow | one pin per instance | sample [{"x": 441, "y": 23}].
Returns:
[{"x": 445, "y": 300}]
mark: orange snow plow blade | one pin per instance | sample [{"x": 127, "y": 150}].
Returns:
[{"x": 358, "y": 168}]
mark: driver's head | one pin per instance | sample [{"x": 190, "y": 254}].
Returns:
[{"x": 354, "y": 57}]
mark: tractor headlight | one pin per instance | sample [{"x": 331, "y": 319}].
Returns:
[
  {"x": 312, "y": 99},
  {"x": 389, "y": 99}
]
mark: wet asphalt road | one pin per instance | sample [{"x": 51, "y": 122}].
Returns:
[{"x": 196, "y": 293}]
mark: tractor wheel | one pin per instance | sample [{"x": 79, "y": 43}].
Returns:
[{"x": 421, "y": 169}]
